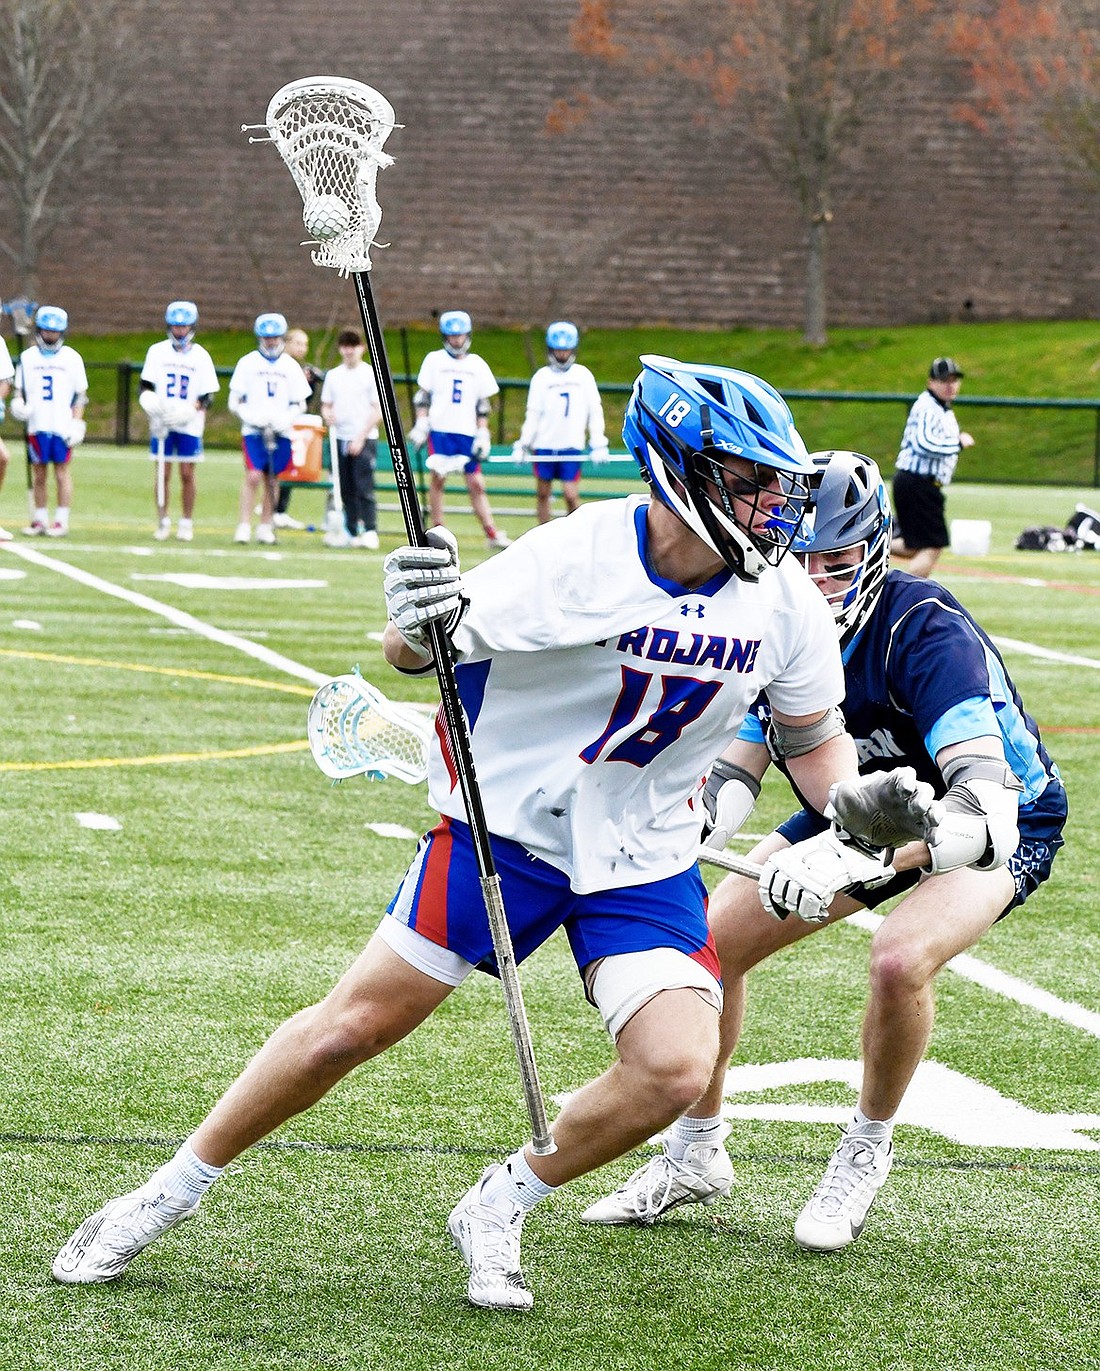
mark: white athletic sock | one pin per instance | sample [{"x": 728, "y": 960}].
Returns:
[
  {"x": 185, "y": 1176},
  {"x": 62, "y": 516},
  {"x": 184, "y": 523},
  {"x": 41, "y": 516},
  {"x": 880, "y": 1129},
  {"x": 686, "y": 1131},
  {"x": 516, "y": 1185}
]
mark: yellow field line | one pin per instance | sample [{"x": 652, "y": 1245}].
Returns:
[
  {"x": 265, "y": 750},
  {"x": 285, "y": 687}
]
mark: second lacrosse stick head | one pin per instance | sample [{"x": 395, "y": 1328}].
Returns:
[
  {"x": 329, "y": 130},
  {"x": 354, "y": 730}
]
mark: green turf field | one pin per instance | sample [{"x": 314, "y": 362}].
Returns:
[{"x": 142, "y": 965}]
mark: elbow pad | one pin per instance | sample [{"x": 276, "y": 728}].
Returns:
[
  {"x": 422, "y": 399},
  {"x": 785, "y": 740},
  {"x": 981, "y": 807},
  {"x": 484, "y": 408},
  {"x": 728, "y": 799}
]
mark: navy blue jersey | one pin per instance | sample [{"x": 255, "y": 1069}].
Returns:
[{"x": 922, "y": 675}]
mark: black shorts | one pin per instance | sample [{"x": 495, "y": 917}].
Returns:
[{"x": 918, "y": 511}]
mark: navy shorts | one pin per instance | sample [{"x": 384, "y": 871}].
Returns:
[
  {"x": 919, "y": 511},
  {"x": 441, "y": 898}
]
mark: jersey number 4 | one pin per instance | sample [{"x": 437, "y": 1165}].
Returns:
[{"x": 682, "y": 701}]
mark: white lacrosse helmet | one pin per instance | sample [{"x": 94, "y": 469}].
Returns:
[
  {"x": 456, "y": 323},
  {"x": 50, "y": 319},
  {"x": 270, "y": 331},
  {"x": 182, "y": 314},
  {"x": 849, "y": 508},
  {"x": 562, "y": 337}
]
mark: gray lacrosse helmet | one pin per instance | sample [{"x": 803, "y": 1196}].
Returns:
[{"x": 849, "y": 507}]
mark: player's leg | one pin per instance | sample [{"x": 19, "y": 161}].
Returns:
[
  {"x": 250, "y": 484},
  {"x": 936, "y": 921},
  {"x": 41, "y": 518},
  {"x": 544, "y": 492},
  {"x": 435, "y": 497},
  {"x": 922, "y": 562},
  {"x": 368, "y": 499},
  {"x": 188, "y": 490},
  {"x": 63, "y": 481},
  {"x": 5, "y": 536},
  {"x": 571, "y": 494},
  {"x": 479, "y": 502},
  {"x": 376, "y": 1002},
  {"x": 349, "y": 492}
]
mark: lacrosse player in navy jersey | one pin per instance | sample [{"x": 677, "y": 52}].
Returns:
[
  {"x": 650, "y": 625},
  {"x": 925, "y": 687},
  {"x": 452, "y": 403},
  {"x": 178, "y": 384}
]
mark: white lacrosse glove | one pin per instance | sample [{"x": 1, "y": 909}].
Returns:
[
  {"x": 482, "y": 444},
  {"x": 520, "y": 451},
  {"x": 805, "y": 878},
  {"x": 599, "y": 453},
  {"x": 20, "y": 410},
  {"x": 886, "y": 808},
  {"x": 78, "y": 431},
  {"x": 420, "y": 431},
  {"x": 153, "y": 406},
  {"x": 252, "y": 416},
  {"x": 422, "y": 586},
  {"x": 728, "y": 799},
  {"x": 177, "y": 414}
]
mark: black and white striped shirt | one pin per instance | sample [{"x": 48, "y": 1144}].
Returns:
[{"x": 930, "y": 444}]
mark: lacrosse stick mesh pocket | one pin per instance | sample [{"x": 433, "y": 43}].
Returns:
[{"x": 354, "y": 729}]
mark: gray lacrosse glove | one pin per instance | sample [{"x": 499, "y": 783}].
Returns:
[
  {"x": 805, "y": 878},
  {"x": 887, "y": 808},
  {"x": 20, "y": 409},
  {"x": 419, "y": 433},
  {"x": 422, "y": 586}
]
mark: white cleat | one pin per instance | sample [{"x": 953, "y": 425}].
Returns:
[
  {"x": 243, "y": 533},
  {"x": 369, "y": 539},
  {"x": 57, "y": 530},
  {"x": 837, "y": 1210},
  {"x": 498, "y": 540},
  {"x": 5, "y": 536},
  {"x": 265, "y": 534},
  {"x": 287, "y": 521},
  {"x": 703, "y": 1176},
  {"x": 163, "y": 530},
  {"x": 106, "y": 1243},
  {"x": 488, "y": 1240},
  {"x": 186, "y": 531}
]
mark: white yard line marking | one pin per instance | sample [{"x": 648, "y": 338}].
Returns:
[
  {"x": 1046, "y": 653},
  {"x": 175, "y": 616},
  {"x": 392, "y": 831},
  {"x": 89, "y": 819},
  {"x": 1001, "y": 983}
]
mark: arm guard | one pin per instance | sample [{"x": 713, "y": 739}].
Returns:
[
  {"x": 484, "y": 409},
  {"x": 422, "y": 399},
  {"x": 979, "y": 824},
  {"x": 728, "y": 799},
  {"x": 785, "y": 740}
]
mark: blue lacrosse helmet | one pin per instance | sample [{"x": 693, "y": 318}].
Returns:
[
  {"x": 456, "y": 323},
  {"x": 270, "y": 331},
  {"x": 562, "y": 337},
  {"x": 50, "y": 319},
  {"x": 182, "y": 314},
  {"x": 849, "y": 508},
  {"x": 683, "y": 424}
]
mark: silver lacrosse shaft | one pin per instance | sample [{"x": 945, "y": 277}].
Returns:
[
  {"x": 541, "y": 1140},
  {"x": 729, "y": 861}
]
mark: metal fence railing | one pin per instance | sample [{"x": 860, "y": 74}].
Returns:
[{"x": 1020, "y": 439}]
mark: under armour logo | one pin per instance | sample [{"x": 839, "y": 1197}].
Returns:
[{"x": 698, "y": 610}]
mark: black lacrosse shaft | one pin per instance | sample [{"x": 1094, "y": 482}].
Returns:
[{"x": 455, "y": 718}]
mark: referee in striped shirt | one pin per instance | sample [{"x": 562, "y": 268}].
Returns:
[{"x": 926, "y": 463}]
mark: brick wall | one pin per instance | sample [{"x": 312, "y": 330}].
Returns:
[{"x": 633, "y": 217}]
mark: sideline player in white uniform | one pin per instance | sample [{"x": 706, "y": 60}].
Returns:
[
  {"x": 178, "y": 383},
  {"x": 51, "y": 388},
  {"x": 454, "y": 388},
  {"x": 927, "y": 688},
  {"x": 349, "y": 405},
  {"x": 603, "y": 661},
  {"x": 563, "y": 405},
  {"x": 267, "y": 392},
  {"x": 7, "y": 371}
]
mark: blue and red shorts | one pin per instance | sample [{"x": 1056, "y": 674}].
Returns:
[
  {"x": 454, "y": 445},
  {"x": 441, "y": 898},
  {"x": 185, "y": 447},
  {"x": 48, "y": 447},
  {"x": 258, "y": 458}
]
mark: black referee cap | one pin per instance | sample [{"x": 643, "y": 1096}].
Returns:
[{"x": 945, "y": 369}]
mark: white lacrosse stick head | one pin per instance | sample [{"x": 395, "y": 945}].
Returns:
[
  {"x": 354, "y": 730},
  {"x": 329, "y": 130}
]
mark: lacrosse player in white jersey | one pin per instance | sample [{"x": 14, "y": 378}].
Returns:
[
  {"x": 178, "y": 383},
  {"x": 454, "y": 388},
  {"x": 603, "y": 662},
  {"x": 267, "y": 392},
  {"x": 51, "y": 388},
  {"x": 563, "y": 406},
  {"x": 7, "y": 372}
]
